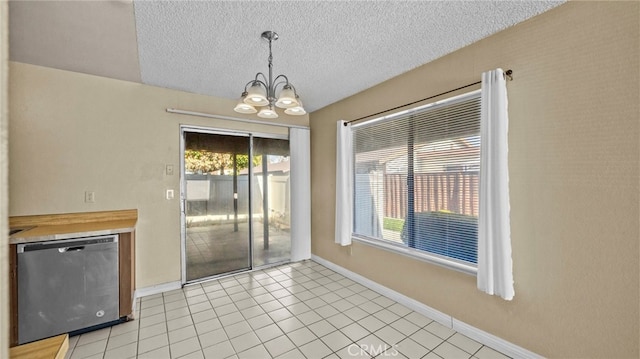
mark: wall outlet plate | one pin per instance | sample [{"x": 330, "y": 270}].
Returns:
[{"x": 89, "y": 197}]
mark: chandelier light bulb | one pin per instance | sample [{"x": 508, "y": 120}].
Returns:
[
  {"x": 268, "y": 112},
  {"x": 256, "y": 96},
  {"x": 297, "y": 110},
  {"x": 242, "y": 107},
  {"x": 287, "y": 98}
]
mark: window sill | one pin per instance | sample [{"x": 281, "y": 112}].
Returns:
[{"x": 422, "y": 256}]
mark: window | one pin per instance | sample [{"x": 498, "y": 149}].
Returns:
[{"x": 416, "y": 180}]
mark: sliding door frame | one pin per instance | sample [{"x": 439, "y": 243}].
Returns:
[{"x": 184, "y": 129}]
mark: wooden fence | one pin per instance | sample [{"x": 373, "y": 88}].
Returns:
[{"x": 452, "y": 191}]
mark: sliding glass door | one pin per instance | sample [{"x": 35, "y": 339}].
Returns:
[
  {"x": 216, "y": 204},
  {"x": 271, "y": 214},
  {"x": 235, "y": 202}
]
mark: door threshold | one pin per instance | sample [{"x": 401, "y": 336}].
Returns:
[
  {"x": 233, "y": 273},
  {"x": 216, "y": 276}
]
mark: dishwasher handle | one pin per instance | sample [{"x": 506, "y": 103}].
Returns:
[
  {"x": 70, "y": 249},
  {"x": 67, "y": 245}
]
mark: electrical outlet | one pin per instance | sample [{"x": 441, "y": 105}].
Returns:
[
  {"x": 169, "y": 194},
  {"x": 89, "y": 197}
]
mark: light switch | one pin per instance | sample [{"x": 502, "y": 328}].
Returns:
[
  {"x": 169, "y": 194},
  {"x": 169, "y": 170}
]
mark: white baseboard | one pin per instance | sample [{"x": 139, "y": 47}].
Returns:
[
  {"x": 474, "y": 333},
  {"x": 492, "y": 341},
  {"x": 155, "y": 289}
]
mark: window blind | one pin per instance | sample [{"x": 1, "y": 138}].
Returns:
[{"x": 416, "y": 178}]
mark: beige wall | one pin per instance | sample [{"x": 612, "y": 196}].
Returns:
[
  {"x": 574, "y": 158},
  {"x": 71, "y": 132}
]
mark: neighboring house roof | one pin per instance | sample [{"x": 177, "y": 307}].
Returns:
[{"x": 432, "y": 157}]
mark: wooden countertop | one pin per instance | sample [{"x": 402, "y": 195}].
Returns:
[
  {"x": 50, "y": 348},
  {"x": 72, "y": 225}
]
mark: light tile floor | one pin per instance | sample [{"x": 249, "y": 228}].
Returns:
[{"x": 298, "y": 310}]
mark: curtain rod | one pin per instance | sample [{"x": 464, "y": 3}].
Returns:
[
  {"x": 208, "y": 115},
  {"x": 508, "y": 74}
]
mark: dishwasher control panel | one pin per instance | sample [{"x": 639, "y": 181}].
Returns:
[{"x": 35, "y": 246}]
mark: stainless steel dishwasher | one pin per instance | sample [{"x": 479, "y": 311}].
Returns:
[{"x": 66, "y": 286}]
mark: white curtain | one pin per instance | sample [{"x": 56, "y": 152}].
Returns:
[
  {"x": 495, "y": 274},
  {"x": 300, "y": 194},
  {"x": 344, "y": 183}
]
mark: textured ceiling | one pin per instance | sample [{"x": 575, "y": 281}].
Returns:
[{"x": 328, "y": 49}]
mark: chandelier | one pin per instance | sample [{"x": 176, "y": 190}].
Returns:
[{"x": 261, "y": 92}]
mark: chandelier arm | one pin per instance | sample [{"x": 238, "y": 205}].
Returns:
[
  {"x": 265, "y": 82},
  {"x": 286, "y": 79},
  {"x": 275, "y": 85},
  {"x": 247, "y": 85},
  {"x": 293, "y": 88},
  {"x": 261, "y": 83}
]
